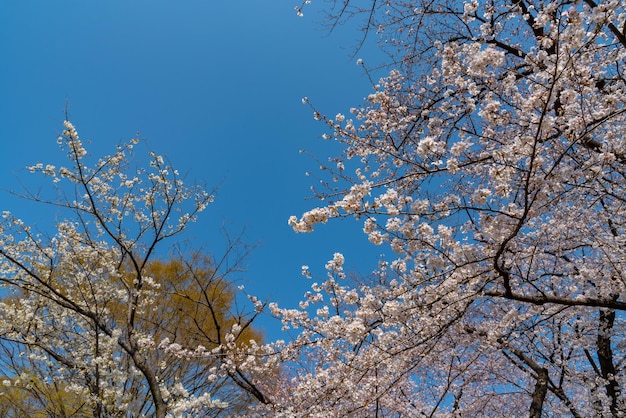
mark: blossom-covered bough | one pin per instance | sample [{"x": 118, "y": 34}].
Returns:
[
  {"x": 491, "y": 162},
  {"x": 87, "y": 326}
]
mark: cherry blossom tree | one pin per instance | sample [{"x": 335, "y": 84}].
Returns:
[
  {"x": 489, "y": 164},
  {"x": 91, "y": 323}
]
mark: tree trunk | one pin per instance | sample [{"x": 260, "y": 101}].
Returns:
[
  {"x": 539, "y": 395},
  {"x": 605, "y": 358}
]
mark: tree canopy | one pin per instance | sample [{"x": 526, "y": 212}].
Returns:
[
  {"x": 489, "y": 163},
  {"x": 91, "y": 322}
]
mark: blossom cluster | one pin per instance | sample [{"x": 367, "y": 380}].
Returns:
[{"x": 490, "y": 161}]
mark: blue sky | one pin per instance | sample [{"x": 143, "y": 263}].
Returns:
[{"x": 216, "y": 86}]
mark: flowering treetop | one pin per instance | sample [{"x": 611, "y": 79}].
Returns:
[{"x": 490, "y": 160}]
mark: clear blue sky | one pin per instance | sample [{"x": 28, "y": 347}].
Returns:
[{"x": 214, "y": 85}]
